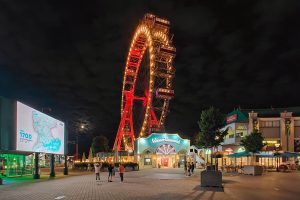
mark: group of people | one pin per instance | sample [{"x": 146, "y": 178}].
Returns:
[
  {"x": 111, "y": 171},
  {"x": 189, "y": 168}
]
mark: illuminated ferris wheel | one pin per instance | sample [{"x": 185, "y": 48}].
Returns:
[{"x": 147, "y": 82}]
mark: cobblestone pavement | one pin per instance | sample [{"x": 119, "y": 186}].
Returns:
[{"x": 156, "y": 184}]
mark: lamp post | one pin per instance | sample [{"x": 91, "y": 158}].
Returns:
[
  {"x": 76, "y": 146},
  {"x": 82, "y": 127},
  {"x": 287, "y": 132}
]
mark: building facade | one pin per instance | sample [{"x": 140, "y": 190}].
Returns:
[
  {"x": 280, "y": 128},
  {"x": 161, "y": 150}
]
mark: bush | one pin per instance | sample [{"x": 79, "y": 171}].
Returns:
[
  {"x": 132, "y": 165},
  {"x": 84, "y": 165}
]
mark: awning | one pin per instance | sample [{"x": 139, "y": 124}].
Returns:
[
  {"x": 287, "y": 154},
  {"x": 261, "y": 154},
  {"x": 239, "y": 154}
]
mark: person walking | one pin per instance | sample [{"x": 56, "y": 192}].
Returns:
[
  {"x": 189, "y": 168},
  {"x": 185, "y": 168},
  {"x": 97, "y": 171},
  {"x": 192, "y": 167},
  {"x": 110, "y": 172},
  {"x": 121, "y": 171}
]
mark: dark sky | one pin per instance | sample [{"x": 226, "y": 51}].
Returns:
[{"x": 70, "y": 56}]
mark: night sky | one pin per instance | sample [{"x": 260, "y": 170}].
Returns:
[{"x": 70, "y": 56}]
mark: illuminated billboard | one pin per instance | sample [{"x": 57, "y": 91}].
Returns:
[{"x": 38, "y": 132}]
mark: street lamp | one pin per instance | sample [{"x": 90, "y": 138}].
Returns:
[{"x": 287, "y": 132}]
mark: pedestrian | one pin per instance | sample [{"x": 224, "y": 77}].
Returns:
[
  {"x": 97, "y": 171},
  {"x": 185, "y": 168},
  {"x": 114, "y": 170},
  {"x": 121, "y": 171},
  {"x": 189, "y": 168},
  {"x": 192, "y": 167},
  {"x": 110, "y": 172}
]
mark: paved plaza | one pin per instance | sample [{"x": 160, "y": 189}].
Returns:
[{"x": 155, "y": 184}]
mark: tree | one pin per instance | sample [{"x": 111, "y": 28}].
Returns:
[
  {"x": 184, "y": 136},
  {"x": 211, "y": 123},
  {"x": 253, "y": 143},
  {"x": 90, "y": 158},
  {"x": 83, "y": 159},
  {"x": 100, "y": 144}
]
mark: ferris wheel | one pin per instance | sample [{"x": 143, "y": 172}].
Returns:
[{"x": 147, "y": 82}]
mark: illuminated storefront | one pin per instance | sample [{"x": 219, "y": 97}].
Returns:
[
  {"x": 161, "y": 150},
  {"x": 16, "y": 165}
]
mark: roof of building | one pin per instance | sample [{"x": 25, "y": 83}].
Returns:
[
  {"x": 273, "y": 112},
  {"x": 237, "y": 116},
  {"x": 241, "y": 115}
]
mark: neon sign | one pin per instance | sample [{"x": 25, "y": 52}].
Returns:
[
  {"x": 231, "y": 118},
  {"x": 156, "y": 140}
]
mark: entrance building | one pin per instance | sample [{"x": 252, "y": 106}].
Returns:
[{"x": 161, "y": 150}]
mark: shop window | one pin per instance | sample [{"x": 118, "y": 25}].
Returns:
[
  {"x": 147, "y": 161},
  {"x": 297, "y": 123},
  {"x": 240, "y": 134},
  {"x": 297, "y": 145},
  {"x": 268, "y": 124},
  {"x": 147, "y": 152},
  {"x": 15, "y": 165},
  {"x": 276, "y": 123},
  {"x": 230, "y": 133}
]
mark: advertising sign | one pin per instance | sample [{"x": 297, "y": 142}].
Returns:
[
  {"x": 231, "y": 118},
  {"x": 163, "y": 143},
  {"x": 38, "y": 132}
]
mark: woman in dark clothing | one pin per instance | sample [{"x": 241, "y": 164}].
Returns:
[
  {"x": 192, "y": 167},
  {"x": 110, "y": 172}
]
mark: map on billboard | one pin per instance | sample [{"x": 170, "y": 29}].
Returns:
[{"x": 38, "y": 132}]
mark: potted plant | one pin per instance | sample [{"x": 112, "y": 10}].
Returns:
[
  {"x": 210, "y": 136},
  {"x": 253, "y": 143}
]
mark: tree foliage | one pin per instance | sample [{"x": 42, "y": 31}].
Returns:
[
  {"x": 253, "y": 142},
  {"x": 100, "y": 144},
  {"x": 184, "y": 136},
  {"x": 210, "y": 125}
]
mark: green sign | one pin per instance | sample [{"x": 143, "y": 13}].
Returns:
[{"x": 162, "y": 143}]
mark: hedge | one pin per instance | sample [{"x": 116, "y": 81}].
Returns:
[{"x": 84, "y": 165}]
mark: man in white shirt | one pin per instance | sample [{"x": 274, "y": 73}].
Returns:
[{"x": 97, "y": 171}]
